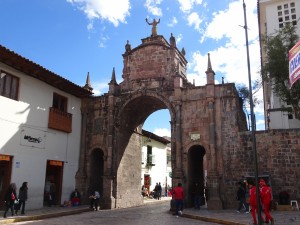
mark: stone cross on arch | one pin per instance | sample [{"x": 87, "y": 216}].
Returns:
[{"x": 154, "y": 24}]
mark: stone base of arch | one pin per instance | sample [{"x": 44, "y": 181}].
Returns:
[{"x": 214, "y": 204}]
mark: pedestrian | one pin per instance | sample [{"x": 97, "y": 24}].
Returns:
[
  {"x": 94, "y": 200},
  {"x": 155, "y": 191},
  {"x": 159, "y": 190},
  {"x": 23, "y": 193},
  {"x": 9, "y": 199},
  {"x": 198, "y": 193},
  {"x": 253, "y": 202},
  {"x": 241, "y": 197},
  {"x": 266, "y": 197},
  {"x": 178, "y": 194},
  {"x": 75, "y": 197}
]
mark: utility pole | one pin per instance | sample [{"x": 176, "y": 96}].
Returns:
[{"x": 252, "y": 120}]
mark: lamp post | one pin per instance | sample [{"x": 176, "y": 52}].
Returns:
[{"x": 252, "y": 119}]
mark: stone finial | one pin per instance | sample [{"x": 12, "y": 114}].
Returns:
[
  {"x": 113, "y": 78},
  {"x": 87, "y": 85},
  {"x": 172, "y": 41},
  {"x": 209, "y": 68},
  {"x": 210, "y": 74},
  {"x": 154, "y": 24},
  {"x": 183, "y": 51},
  {"x": 128, "y": 47}
]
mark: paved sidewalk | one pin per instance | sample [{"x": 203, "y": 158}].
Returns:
[
  {"x": 227, "y": 217},
  {"x": 231, "y": 217}
]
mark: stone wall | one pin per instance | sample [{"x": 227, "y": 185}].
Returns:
[
  {"x": 278, "y": 155},
  {"x": 129, "y": 175}
]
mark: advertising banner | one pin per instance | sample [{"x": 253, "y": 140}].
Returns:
[{"x": 294, "y": 63}]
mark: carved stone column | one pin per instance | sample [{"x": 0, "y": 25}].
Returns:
[
  {"x": 81, "y": 175},
  {"x": 214, "y": 201}
]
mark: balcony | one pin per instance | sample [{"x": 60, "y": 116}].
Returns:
[
  {"x": 150, "y": 160},
  {"x": 60, "y": 120}
]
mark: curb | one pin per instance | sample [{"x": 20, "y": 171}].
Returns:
[
  {"x": 43, "y": 216},
  {"x": 212, "y": 220}
]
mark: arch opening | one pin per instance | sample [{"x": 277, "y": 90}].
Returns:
[
  {"x": 96, "y": 171},
  {"x": 196, "y": 172}
]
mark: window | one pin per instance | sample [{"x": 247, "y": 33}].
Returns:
[
  {"x": 280, "y": 20},
  {"x": 285, "y": 6},
  {"x": 9, "y": 85},
  {"x": 280, "y": 13},
  {"x": 292, "y": 4},
  {"x": 290, "y": 116},
  {"x": 60, "y": 102},
  {"x": 279, "y": 7},
  {"x": 286, "y": 12},
  {"x": 293, "y": 10},
  {"x": 287, "y": 18}
]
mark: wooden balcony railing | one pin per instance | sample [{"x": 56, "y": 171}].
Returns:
[{"x": 59, "y": 120}]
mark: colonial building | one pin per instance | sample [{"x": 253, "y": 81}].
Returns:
[
  {"x": 272, "y": 16},
  {"x": 40, "y": 129},
  {"x": 156, "y": 161}
]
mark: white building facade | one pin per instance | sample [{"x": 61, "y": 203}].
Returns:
[
  {"x": 273, "y": 14},
  {"x": 156, "y": 161},
  {"x": 40, "y": 129}
]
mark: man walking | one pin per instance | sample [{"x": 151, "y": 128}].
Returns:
[
  {"x": 266, "y": 196},
  {"x": 178, "y": 194}
]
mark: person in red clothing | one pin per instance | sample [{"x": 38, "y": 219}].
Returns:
[
  {"x": 178, "y": 195},
  {"x": 266, "y": 197},
  {"x": 253, "y": 201}
]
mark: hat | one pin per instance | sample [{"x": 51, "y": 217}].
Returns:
[{"x": 262, "y": 182}]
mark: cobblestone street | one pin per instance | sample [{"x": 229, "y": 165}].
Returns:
[{"x": 150, "y": 214}]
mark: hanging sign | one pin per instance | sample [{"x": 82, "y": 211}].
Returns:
[
  {"x": 294, "y": 63},
  {"x": 4, "y": 158},
  {"x": 55, "y": 163}
]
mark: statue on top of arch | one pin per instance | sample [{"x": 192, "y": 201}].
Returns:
[{"x": 154, "y": 24}]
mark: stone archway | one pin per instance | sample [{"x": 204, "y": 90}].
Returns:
[{"x": 154, "y": 78}]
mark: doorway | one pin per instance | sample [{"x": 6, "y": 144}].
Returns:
[
  {"x": 96, "y": 170},
  {"x": 5, "y": 175},
  {"x": 53, "y": 182},
  {"x": 196, "y": 171}
]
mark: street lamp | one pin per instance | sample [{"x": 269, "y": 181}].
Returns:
[{"x": 252, "y": 119}]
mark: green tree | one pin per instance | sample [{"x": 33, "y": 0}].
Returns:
[
  {"x": 244, "y": 93},
  {"x": 276, "y": 66}
]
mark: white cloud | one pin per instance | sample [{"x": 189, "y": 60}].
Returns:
[
  {"x": 187, "y": 5},
  {"x": 102, "y": 41},
  {"x": 152, "y": 7},
  {"x": 104, "y": 10},
  {"x": 194, "y": 20},
  {"x": 173, "y": 22},
  {"x": 162, "y": 132},
  {"x": 229, "y": 24},
  {"x": 179, "y": 38},
  {"x": 99, "y": 88},
  {"x": 231, "y": 58}
]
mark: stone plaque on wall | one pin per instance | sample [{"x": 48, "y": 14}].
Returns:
[{"x": 195, "y": 137}]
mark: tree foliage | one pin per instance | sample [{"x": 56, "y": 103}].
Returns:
[
  {"x": 276, "y": 65},
  {"x": 244, "y": 93}
]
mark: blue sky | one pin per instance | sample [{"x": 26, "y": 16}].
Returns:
[{"x": 74, "y": 37}]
